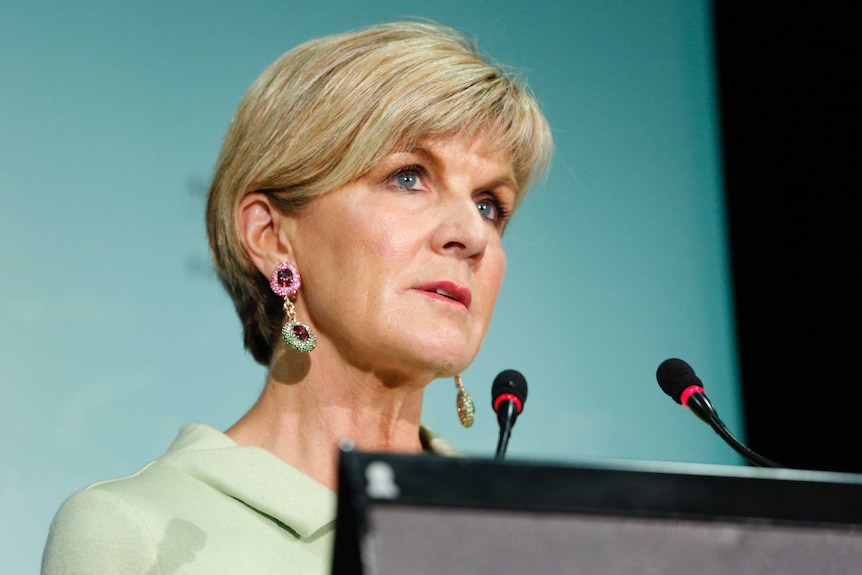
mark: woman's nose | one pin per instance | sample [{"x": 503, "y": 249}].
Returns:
[{"x": 462, "y": 230}]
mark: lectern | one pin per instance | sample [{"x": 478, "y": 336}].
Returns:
[{"x": 418, "y": 515}]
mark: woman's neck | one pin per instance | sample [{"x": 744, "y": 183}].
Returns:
[{"x": 303, "y": 419}]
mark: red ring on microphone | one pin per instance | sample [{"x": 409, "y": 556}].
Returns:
[
  {"x": 509, "y": 397},
  {"x": 688, "y": 392}
]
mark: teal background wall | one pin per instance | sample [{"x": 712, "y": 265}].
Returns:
[{"x": 114, "y": 333}]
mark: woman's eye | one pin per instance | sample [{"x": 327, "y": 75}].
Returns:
[
  {"x": 492, "y": 209},
  {"x": 407, "y": 178}
]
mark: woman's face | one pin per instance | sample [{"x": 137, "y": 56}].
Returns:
[{"x": 401, "y": 268}]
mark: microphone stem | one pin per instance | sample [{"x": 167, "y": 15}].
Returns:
[
  {"x": 506, "y": 420},
  {"x": 503, "y": 442},
  {"x": 700, "y": 405},
  {"x": 739, "y": 447}
]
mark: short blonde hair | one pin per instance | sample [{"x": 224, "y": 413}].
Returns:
[{"x": 329, "y": 110}]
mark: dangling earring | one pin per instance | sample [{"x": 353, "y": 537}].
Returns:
[
  {"x": 466, "y": 409},
  {"x": 285, "y": 281}
]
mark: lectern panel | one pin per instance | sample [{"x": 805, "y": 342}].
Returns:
[
  {"x": 428, "y": 541},
  {"x": 420, "y": 515}
]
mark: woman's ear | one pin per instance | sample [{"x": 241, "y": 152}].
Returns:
[{"x": 264, "y": 230}]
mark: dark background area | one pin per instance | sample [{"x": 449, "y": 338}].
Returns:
[{"x": 789, "y": 103}]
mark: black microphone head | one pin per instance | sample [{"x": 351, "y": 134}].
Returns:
[
  {"x": 509, "y": 381},
  {"x": 675, "y": 376}
]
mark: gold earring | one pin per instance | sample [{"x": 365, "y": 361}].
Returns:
[{"x": 466, "y": 409}]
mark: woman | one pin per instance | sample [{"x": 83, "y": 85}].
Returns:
[{"x": 355, "y": 217}]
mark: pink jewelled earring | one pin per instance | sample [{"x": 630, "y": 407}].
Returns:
[{"x": 285, "y": 282}]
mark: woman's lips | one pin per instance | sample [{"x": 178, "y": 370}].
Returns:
[{"x": 448, "y": 291}]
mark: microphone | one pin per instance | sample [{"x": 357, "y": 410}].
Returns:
[
  {"x": 508, "y": 395},
  {"x": 678, "y": 380}
]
